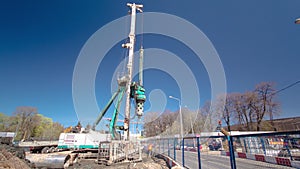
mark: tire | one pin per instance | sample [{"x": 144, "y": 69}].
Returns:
[
  {"x": 51, "y": 150},
  {"x": 45, "y": 150}
]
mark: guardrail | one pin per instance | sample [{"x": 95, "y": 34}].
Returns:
[{"x": 268, "y": 148}]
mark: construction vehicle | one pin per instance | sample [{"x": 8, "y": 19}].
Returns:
[
  {"x": 6, "y": 137},
  {"x": 32, "y": 146},
  {"x": 108, "y": 147},
  {"x": 38, "y": 146},
  {"x": 68, "y": 129}
]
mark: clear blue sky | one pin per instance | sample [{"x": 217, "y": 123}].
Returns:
[{"x": 40, "y": 41}]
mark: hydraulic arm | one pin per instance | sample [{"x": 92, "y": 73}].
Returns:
[
  {"x": 102, "y": 113},
  {"x": 112, "y": 126}
]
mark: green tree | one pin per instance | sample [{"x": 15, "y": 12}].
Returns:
[
  {"x": 27, "y": 123},
  {"x": 3, "y": 122},
  {"x": 46, "y": 129}
]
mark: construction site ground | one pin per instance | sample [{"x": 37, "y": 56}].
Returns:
[
  {"x": 148, "y": 162},
  {"x": 13, "y": 158}
]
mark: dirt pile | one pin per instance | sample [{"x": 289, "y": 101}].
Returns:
[{"x": 11, "y": 158}]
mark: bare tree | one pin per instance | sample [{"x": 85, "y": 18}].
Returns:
[
  {"x": 199, "y": 123},
  {"x": 212, "y": 114},
  {"x": 150, "y": 126},
  {"x": 27, "y": 120},
  {"x": 207, "y": 114},
  {"x": 252, "y": 106},
  {"x": 243, "y": 108},
  {"x": 249, "y": 108},
  {"x": 191, "y": 120},
  {"x": 166, "y": 122},
  {"x": 225, "y": 106},
  {"x": 57, "y": 129},
  {"x": 264, "y": 102},
  {"x": 161, "y": 123}
]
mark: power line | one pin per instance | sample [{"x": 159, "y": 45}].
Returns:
[{"x": 291, "y": 85}]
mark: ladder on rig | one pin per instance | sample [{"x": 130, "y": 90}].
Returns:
[{"x": 103, "y": 153}]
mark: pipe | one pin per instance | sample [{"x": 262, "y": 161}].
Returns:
[{"x": 55, "y": 160}]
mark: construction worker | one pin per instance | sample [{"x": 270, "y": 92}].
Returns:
[
  {"x": 150, "y": 150},
  {"x": 78, "y": 127}
]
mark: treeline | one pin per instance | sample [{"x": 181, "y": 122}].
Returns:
[
  {"x": 249, "y": 110},
  {"x": 246, "y": 111},
  {"x": 29, "y": 124}
]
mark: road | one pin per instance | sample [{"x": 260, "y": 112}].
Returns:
[{"x": 216, "y": 161}]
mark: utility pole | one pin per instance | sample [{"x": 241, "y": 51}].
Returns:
[
  {"x": 180, "y": 113},
  {"x": 130, "y": 46}
]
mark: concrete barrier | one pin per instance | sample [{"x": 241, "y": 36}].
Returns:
[{"x": 171, "y": 162}]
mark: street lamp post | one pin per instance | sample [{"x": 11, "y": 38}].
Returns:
[
  {"x": 193, "y": 131},
  {"x": 181, "y": 123}
]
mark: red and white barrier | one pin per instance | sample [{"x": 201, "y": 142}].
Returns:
[
  {"x": 260, "y": 157},
  {"x": 270, "y": 159}
]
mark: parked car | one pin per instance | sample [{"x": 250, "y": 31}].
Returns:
[
  {"x": 214, "y": 144},
  {"x": 294, "y": 153},
  {"x": 291, "y": 148}
]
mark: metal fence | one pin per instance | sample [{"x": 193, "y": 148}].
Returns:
[{"x": 238, "y": 150}]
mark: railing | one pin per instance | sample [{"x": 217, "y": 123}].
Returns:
[{"x": 269, "y": 149}]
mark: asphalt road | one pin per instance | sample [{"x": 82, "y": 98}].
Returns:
[{"x": 215, "y": 161}]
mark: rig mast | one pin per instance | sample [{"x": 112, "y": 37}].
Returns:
[{"x": 130, "y": 46}]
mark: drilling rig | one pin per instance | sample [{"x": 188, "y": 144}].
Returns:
[
  {"x": 113, "y": 147},
  {"x": 127, "y": 87},
  {"x": 124, "y": 149}
]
